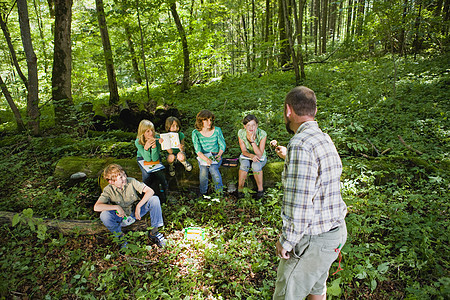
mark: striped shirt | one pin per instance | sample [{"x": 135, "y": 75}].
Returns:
[
  {"x": 204, "y": 144},
  {"x": 312, "y": 201}
]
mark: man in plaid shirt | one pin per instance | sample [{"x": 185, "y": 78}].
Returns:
[{"x": 313, "y": 211}]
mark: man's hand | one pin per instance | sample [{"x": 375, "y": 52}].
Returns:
[
  {"x": 281, "y": 252},
  {"x": 281, "y": 151}
]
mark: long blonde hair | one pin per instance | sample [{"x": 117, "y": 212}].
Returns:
[{"x": 144, "y": 125}]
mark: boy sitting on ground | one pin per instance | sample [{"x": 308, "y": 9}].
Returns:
[{"x": 116, "y": 202}]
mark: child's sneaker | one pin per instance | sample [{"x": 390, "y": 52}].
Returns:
[
  {"x": 187, "y": 166},
  {"x": 171, "y": 170},
  {"x": 158, "y": 239}
]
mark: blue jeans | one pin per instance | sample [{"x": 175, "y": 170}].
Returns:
[
  {"x": 256, "y": 166},
  {"x": 156, "y": 181},
  {"x": 114, "y": 223},
  {"x": 215, "y": 175}
]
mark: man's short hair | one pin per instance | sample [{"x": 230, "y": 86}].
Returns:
[
  {"x": 112, "y": 171},
  {"x": 302, "y": 100}
]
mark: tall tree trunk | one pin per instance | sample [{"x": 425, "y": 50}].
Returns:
[
  {"x": 417, "y": 39},
  {"x": 112, "y": 82},
  {"x": 284, "y": 43},
  {"x": 245, "y": 40},
  {"x": 306, "y": 35},
  {"x": 267, "y": 34},
  {"x": 316, "y": 26},
  {"x": 360, "y": 22},
  {"x": 20, "y": 125},
  {"x": 12, "y": 51},
  {"x": 41, "y": 33},
  {"x": 445, "y": 23},
  {"x": 142, "y": 51},
  {"x": 33, "y": 95},
  {"x": 401, "y": 39},
  {"x": 185, "y": 85},
  {"x": 349, "y": 19},
  {"x": 354, "y": 15},
  {"x": 291, "y": 42},
  {"x": 253, "y": 51},
  {"x": 62, "y": 66},
  {"x": 298, "y": 18},
  {"x": 324, "y": 33},
  {"x": 340, "y": 20},
  {"x": 51, "y": 8},
  {"x": 332, "y": 22},
  {"x": 134, "y": 62}
]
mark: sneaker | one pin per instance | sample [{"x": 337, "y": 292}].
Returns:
[
  {"x": 171, "y": 170},
  {"x": 187, "y": 166},
  {"x": 158, "y": 239}
]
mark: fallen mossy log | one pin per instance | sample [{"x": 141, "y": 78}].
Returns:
[
  {"x": 93, "y": 168},
  {"x": 85, "y": 227}
]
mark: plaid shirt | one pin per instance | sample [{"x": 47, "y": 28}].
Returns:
[{"x": 312, "y": 202}]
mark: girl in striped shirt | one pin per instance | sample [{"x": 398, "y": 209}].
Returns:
[{"x": 209, "y": 145}]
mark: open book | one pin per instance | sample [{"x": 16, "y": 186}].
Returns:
[
  {"x": 210, "y": 156},
  {"x": 171, "y": 140},
  {"x": 151, "y": 166}
]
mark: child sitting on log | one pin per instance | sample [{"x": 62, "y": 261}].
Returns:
[
  {"x": 148, "y": 144},
  {"x": 252, "y": 141},
  {"x": 118, "y": 208},
  {"x": 209, "y": 145},
  {"x": 173, "y": 125}
]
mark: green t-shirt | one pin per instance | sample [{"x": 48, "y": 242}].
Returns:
[{"x": 260, "y": 134}]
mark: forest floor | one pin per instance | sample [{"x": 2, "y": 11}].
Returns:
[{"x": 397, "y": 196}]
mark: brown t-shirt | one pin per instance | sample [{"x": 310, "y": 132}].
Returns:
[{"x": 124, "y": 197}]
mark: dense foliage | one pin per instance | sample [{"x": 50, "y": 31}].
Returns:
[{"x": 398, "y": 243}]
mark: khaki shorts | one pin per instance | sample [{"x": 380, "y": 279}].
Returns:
[{"x": 306, "y": 271}]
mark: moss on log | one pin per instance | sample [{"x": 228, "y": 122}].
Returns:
[{"x": 93, "y": 168}]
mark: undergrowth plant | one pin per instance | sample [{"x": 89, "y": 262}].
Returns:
[{"x": 397, "y": 202}]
